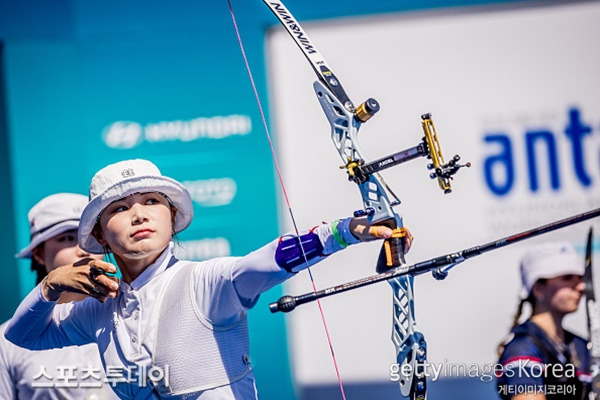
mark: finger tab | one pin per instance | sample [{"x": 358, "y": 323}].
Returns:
[{"x": 95, "y": 272}]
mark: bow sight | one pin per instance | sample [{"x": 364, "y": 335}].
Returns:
[{"x": 358, "y": 170}]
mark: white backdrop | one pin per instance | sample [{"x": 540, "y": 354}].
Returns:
[{"x": 479, "y": 72}]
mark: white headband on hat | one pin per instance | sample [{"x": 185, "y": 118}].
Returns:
[
  {"x": 549, "y": 260},
  {"x": 123, "y": 179},
  {"x": 52, "y": 216}
]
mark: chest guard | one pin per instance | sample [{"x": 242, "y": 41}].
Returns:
[{"x": 197, "y": 354}]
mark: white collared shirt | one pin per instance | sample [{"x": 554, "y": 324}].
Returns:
[{"x": 125, "y": 327}]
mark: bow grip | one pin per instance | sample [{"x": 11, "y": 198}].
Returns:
[{"x": 392, "y": 251}]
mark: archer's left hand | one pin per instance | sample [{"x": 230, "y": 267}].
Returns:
[{"x": 365, "y": 232}]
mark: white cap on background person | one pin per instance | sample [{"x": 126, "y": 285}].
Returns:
[
  {"x": 549, "y": 260},
  {"x": 52, "y": 216}
]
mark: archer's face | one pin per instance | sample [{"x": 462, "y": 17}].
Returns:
[
  {"x": 563, "y": 293},
  {"x": 61, "y": 249},
  {"x": 137, "y": 227}
]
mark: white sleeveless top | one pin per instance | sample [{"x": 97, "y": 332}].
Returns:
[{"x": 198, "y": 354}]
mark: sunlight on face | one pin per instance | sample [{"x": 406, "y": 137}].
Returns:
[
  {"x": 62, "y": 249},
  {"x": 137, "y": 227}
]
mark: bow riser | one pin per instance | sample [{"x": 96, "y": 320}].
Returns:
[
  {"x": 344, "y": 134},
  {"x": 409, "y": 344},
  {"x": 345, "y": 121}
]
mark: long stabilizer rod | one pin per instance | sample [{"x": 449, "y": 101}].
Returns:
[{"x": 289, "y": 303}]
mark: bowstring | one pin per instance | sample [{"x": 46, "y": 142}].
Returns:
[{"x": 287, "y": 201}]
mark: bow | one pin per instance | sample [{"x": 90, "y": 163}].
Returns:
[{"x": 346, "y": 119}]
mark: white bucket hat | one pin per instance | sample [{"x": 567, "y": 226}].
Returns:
[
  {"x": 549, "y": 260},
  {"x": 123, "y": 179},
  {"x": 52, "y": 216}
]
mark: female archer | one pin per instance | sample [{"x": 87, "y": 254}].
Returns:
[
  {"x": 173, "y": 328},
  {"x": 540, "y": 359},
  {"x": 70, "y": 373}
]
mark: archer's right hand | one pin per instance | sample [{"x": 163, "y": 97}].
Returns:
[{"x": 86, "y": 276}]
